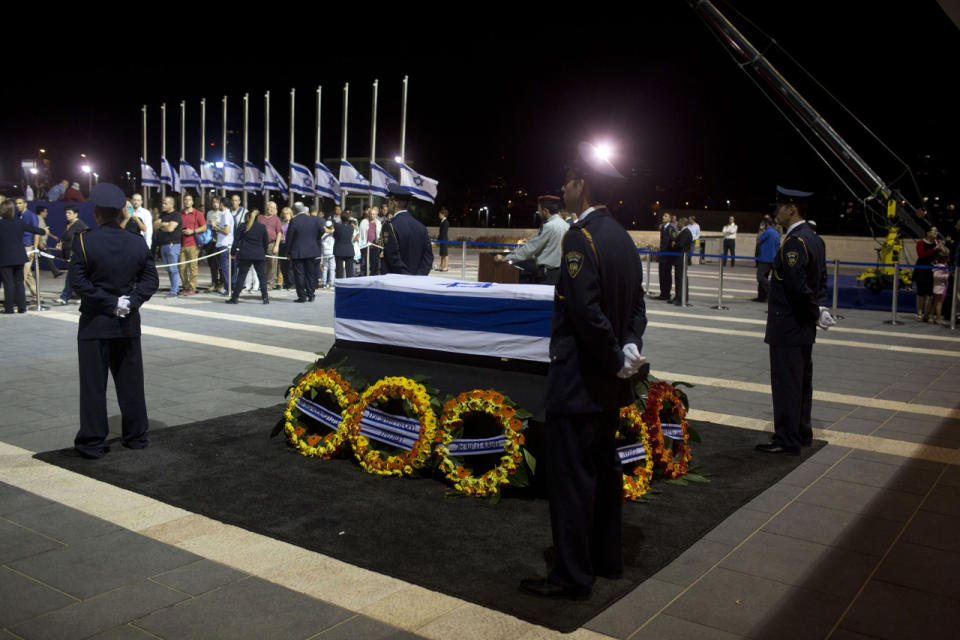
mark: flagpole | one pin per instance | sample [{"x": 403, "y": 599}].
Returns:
[
  {"x": 223, "y": 118},
  {"x": 203, "y": 150},
  {"x": 183, "y": 142},
  {"x": 143, "y": 128},
  {"x": 403, "y": 121},
  {"x": 373, "y": 137},
  {"x": 246, "y": 122},
  {"x": 343, "y": 146},
  {"x": 293, "y": 99},
  {"x": 163, "y": 146},
  {"x": 266, "y": 146},
  {"x": 316, "y": 149}
]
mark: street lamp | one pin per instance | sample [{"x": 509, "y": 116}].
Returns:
[{"x": 87, "y": 170}]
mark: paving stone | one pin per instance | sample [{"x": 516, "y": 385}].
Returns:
[
  {"x": 944, "y": 500},
  {"x": 62, "y": 523},
  {"x": 250, "y": 608},
  {"x": 664, "y": 626},
  {"x": 829, "y": 454},
  {"x": 805, "y": 475},
  {"x": 22, "y": 599},
  {"x": 893, "y": 612},
  {"x": 694, "y": 562},
  {"x": 758, "y": 608},
  {"x": 951, "y": 477},
  {"x": 103, "y": 563},
  {"x": 366, "y": 628},
  {"x": 878, "y": 474},
  {"x": 123, "y": 632},
  {"x": 627, "y": 614},
  {"x": 802, "y": 564},
  {"x": 101, "y": 613},
  {"x": 846, "y": 634},
  {"x": 856, "y": 425},
  {"x": 199, "y": 577},
  {"x": 738, "y": 526},
  {"x": 922, "y": 568},
  {"x": 836, "y": 528},
  {"x": 13, "y": 499},
  {"x": 17, "y": 542},
  {"x": 901, "y": 462},
  {"x": 934, "y": 530},
  {"x": 774, "y": 498},
  {"x": 861, "y": 498}
]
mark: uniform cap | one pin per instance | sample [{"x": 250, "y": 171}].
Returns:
[
  {"x": 109, "y": 195},
  {"x": 328, "y": 223},
  {"x": 792, "y": 195},
  {"x": 394, "y": 189},
  {"x": 548, "y": 198}
]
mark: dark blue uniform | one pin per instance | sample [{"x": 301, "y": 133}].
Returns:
[
  {"x": 797, "y": 290},
  {"x": 250, "y": 248},
  {"x": 682, "y": 243},
  {"x": 598, "y": 308},
  {"x": 343, "y": 248},
  {"x": 406, "y": 245},
  {"x": 667, "y": 235},
  {"x": 13, "y": 256},
  {"x": 303, "y": 243},
  {"x": 108, "y": 263}
]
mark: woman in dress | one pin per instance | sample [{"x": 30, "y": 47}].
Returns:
[
  {"x": 927, "y": 249},
  {"x": 13, "y": 256}
]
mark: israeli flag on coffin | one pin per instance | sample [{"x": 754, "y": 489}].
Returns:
[
  {"x": 168, "y": 176},
  {"x": 351, "y": 180},
  {"x": 148, "y": 177},
  {"x": 210, "y": 175},
  {"x": 272, "y": 181},
  {"x": 253, "y": 178},
  {"x": 380, "y": 179},
  {"x": 326, "y": 185},
  {"x": 188, "y": 175},
  {"x": 301, "y": 181},
  {"x": 420, "y": 186},
  {"x": 232, "y": 177}
]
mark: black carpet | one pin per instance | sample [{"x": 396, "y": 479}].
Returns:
[{"x": 230, "y": 470}]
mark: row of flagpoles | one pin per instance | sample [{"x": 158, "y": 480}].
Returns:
[{"x": 318, "y": 183}]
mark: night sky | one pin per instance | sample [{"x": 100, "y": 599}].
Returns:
[{"x": 504, "y": 102}]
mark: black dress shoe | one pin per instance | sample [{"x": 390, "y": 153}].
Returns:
[
  {"x": 75, "y": 453},
  {"x": 807, "y": 442},
  {"x": 545, "y": 589},
  {"x": 666, "y": 297},
  {"x": 266, "y": 301},
  {"x": 300, "y": 300},
  {"x": 758, "y": 299},
  {"x": 232, "y": 301},
  {"x": 311, "y": 298},
  {"x": 611, "y": 575},
  {"x": 773, "y": 447}
]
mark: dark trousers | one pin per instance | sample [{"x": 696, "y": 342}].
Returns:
[
  {"x": 666, "y": 279},
  {"x": 370, "y": 255},
  {"x": 285, "y": 270},
  {"x": 305, "y": 277},
  {"x": 585, "y": 488},
  {"x": 213, "y": 263},
  {"x": 791, "y": 382},
  {"x": 729, "y": 248},
  {"x": 122, "y": 357},
  {"x": 344, "y": 267},
  {"x": 13, "y": 290},
  {"x": 679, "y": 268},
  {"x": 763, "y": 279},
  {"x": 259, "y": 268}
]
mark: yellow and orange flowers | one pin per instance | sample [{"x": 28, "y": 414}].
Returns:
[
  {"x": 325, "y": 381},
  {"x": 634, "y": 429},
  {"x": 673, "y": 461}
]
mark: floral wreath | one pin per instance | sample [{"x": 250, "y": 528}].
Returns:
[
  {"x": 372, "y": 459},
  {"x": 632, "y": 426},
  {"x": 674, "y": 461},
  {"x": 330, "y": 444},
  {"x": 501, "y": 409}
]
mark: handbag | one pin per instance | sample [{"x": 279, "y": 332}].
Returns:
[{"x": 204, "y": 237}]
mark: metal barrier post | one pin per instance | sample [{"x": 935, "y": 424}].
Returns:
[
  {"x": 36, "y": 280},
  {"x": 683, "y": 285},
  {"x": 720, "y": 304},
  {"x": 463, "y": 259},
  {"x": 836, "y": 288},
  {"x": 229, "y": 275},
  {"x": 647, "y": 287},
  {"x": 368, "y": 260},
  {"x": 953, "y": 303},
  {"x": 896, "y": 294}
]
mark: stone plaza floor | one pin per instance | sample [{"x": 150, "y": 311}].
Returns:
[{"x": 860, "y": 541}]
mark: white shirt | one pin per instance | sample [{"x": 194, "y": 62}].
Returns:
[
  {"x": 144, "y": 216},
  {"x": 730, "y": 231},
  {"x": 225, "y": 239},
  {"x": 792, "y": 227},
  {"x": 694, "y": 230},
  {"x": 586, "y": 213}
]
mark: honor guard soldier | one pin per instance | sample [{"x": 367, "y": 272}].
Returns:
[
  {"x": 406, "y": 244},
  {"x": 595, "y": 343},
  {"x": 794, "y": 311},
  {"x": 113, "y": 273},
  {"x": 545, "y": 245}
]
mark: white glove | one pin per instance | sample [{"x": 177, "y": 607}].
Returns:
[
  {"x": 826, "y": 320},
  {"x": 123, "y": 306},
  {"x": 632, "y": 361}
]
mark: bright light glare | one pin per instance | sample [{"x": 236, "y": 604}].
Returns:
[
  {"x": 33, "y": 170},
  {"x": 397, "y": 159},
  {"x": 85, "y": 168},
  {"x": 218, "y": 165},
  {"x": 604, "y": 151}
]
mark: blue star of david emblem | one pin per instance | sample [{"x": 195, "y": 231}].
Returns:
[
  {"x": 418, "y": 181},
  {"x": 331, "y": 181}
]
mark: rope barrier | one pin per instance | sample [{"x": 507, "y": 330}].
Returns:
[{"x": 177, "y": 264}]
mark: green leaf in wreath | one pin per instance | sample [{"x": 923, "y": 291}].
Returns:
[
  {"x": 694, "y": 434},
  {"x": 520, "y": 478},
  {"x": 695, "y": 477},
  {"x": 313, "y": 394},
  {"x": 531, "y": 461},
  {"x": 495, "y": 498},
  {"x": 682, "y": 384},
  {"x": 277, "y": 428},
  {"x": 454, "y": 494},
  {"x": 678, "y": 481},
  {"x": 523, "y": 414}
]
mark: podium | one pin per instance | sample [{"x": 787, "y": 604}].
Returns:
[{"x": 493, "y": 271}]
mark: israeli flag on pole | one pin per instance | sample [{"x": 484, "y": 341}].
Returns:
[
  {"x": 351, "y": 180},
  {"x": 380, "y": 179},
  {"x": 168, "y": 176},
  {"x": 148, "y": 177},
  {"x": 272, "y": 181},
  {"x": 420, "y": 186},
  {"x": 253, "y": 178},
  {"x": 188, "y": 175},
  {"x": 326, "y": 185},
  {"x": 301, "y": 180},
  {"x": 232, "y": 177},
  {"x": 210, "y": 176}
]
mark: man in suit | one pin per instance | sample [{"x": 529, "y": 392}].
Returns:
[
  {"x": 682, "y": 243},
  {"x": 113, "y": 273},
  {"x": 595, "y": 343},
  {"x": 303, "y": 245},
  {"x": 796, "y": 307},
  {"x": 343, "y": 246},
  {"x": 406, "y": 244},
  {"x": 667, "y": 236}
]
